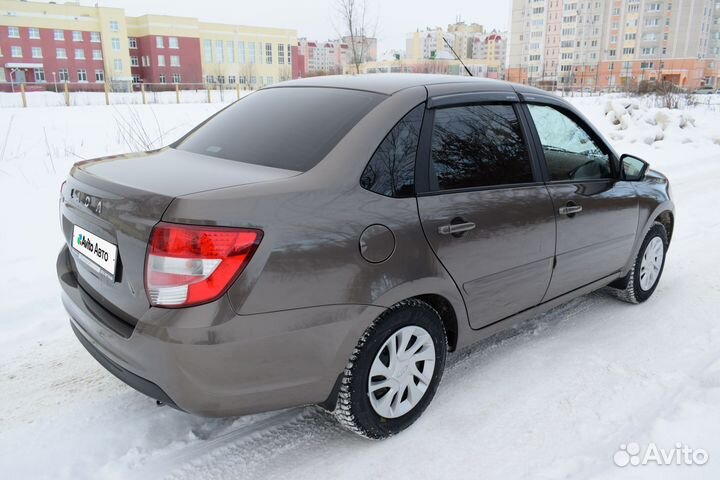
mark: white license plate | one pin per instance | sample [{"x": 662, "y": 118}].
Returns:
[{"x": 100, "y": 252}]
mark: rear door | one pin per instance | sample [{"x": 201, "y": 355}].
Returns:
[
  {"x": 596, "y": 213},
  {"x": 483, "y": 207}
]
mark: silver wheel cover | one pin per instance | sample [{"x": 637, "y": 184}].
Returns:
[
  {"x": 651, "y": 263},
  {"x": 401, "y": 372}
]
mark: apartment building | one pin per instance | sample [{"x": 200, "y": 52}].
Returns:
[
  {"x": 483, "y": 52},
  {"x": 43, "y": 43},
  {"x": 327, "y": 57},
  {"x": 331, "y": 56},
  {"x": 615, "y": 44}
]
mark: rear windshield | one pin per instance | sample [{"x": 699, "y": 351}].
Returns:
[{"x": 291, "y": 128}]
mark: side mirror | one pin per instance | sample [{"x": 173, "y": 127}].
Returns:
[{"x": 632, "y": 168}]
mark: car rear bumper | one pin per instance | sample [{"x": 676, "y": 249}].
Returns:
[{"x": 210, "y": 361}]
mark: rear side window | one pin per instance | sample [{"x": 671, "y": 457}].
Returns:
[
  {"x": 290, "y": 128},
  {"x": 391, "y": 170},
  {"x": 478, "y": 146}
]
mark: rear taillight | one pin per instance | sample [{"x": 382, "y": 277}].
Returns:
[{"x": 189, "y": 265}]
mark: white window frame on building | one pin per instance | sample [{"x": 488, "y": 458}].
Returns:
[
  {"x": 230, "y": 51},
  {"x": 159, "y": 42},
  {"x": 34, "y": 33},
  {"x": 281, "y": 53},
  {"x": 135, "y": 78},
  {"x": 232, "y": 79},
  {"x": 207, "y": 50},
  {"x": 16, "y": 51},
  {"x": 63, "y": 75},
  {"x": 13, "y": 32},
  {"x": 173, "y": 42},
  {"x": 77, "y": 36},
  {"x": 268, "y": 54},
  {"x": 95, "y": 37},
  {"x": 37, "y": 52},
  {"x": 219, "y": 51},
  {"x": 97, "y": 54},
  {"x": 115, "y": 42},
  {"x": 117, "y": 65},
  {"x": 145, "y": 60},
  {"x": 114, "y": 26},
  {"x": 82, "y": 75},
  {"x": 163, "y": 78},
  {"x": 251, "y": 49},
  {"x": 176, "y": 78},
  {"x": 174, "y": 60},
  {"x": 58, "y": 35},
  {"x": 221, "y": 79},
  {"x": 79, "y": 54},
  {"x": 39, "y": 75},
  {"x": 100, "y": 76},
  {"x": 134, "y": 62},
  {"x": 241, "y": 52},
  {"x": 161, "y": 60},
  {"x": 132, "y": 42},
  {"x": 209, "y": 79}
]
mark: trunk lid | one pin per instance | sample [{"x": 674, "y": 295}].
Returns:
[{"x": 120, "y": 199}]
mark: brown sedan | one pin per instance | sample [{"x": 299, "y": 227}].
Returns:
[{"x": 328, "y": 241}]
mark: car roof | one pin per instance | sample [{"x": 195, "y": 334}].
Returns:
[{"x": 390, "y": 83}]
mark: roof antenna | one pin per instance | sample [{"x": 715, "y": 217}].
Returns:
[{"x": 458, "y": 57}]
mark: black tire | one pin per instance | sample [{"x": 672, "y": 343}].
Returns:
[
  {"x": 353, "y": 409},
  {"x": 631, "y": 290}
]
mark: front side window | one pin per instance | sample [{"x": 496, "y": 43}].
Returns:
[
  {"x": 95, "y": 37},
  {"x": 34, "y": 33},
  {"x": 478, "y": 146},
  {"x": 115, "y": 44},
  {"x": 99, "y": 75},
  {"x": 13, "y": 32},
  {"x": 159, "y": 42},
  {"x": 132, "y": 42},
  {"x": 58, "y": 35},
  {"x": 308, "y": 133},
  {"x": 114, "y": 26},
  {"x": 82, "y": 75},
  {"x": 570, "y": 152},
  {"x": 77, "y": 36},
  {"x": 173, "y": 42},
  {"x": 391, "y": 169}
]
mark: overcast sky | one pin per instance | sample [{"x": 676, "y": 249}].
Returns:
[{"x": 315, "y": 18}]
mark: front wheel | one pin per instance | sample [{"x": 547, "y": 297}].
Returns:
[
  {"x": 648, "y": 267},
  {"x": 393, "y": 373}
]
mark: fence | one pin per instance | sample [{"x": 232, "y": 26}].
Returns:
[{"x": 74, "y": 94}]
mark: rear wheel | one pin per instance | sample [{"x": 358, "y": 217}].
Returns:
[
  {"x": 644, "y": 276},
  {"x": 394, "y": 371}
]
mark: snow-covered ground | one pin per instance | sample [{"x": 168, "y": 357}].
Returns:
[{"x": 552, "y": 399}]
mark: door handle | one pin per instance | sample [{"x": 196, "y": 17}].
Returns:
[
  {"x": 456, "y": 228},
  {"x": 570, "y": 209}
]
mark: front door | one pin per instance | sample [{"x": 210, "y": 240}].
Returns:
[
  {"x": 19, "y": 76},
  {"x": 486, "y": 215},
  {"x": 596, "y": 213}
]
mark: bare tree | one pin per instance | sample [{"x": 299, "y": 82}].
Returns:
[{"x": 355, "y": 25}]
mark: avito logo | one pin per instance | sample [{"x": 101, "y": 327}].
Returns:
[{"x": 92, "y": 247}]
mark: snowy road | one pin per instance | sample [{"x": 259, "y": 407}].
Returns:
[{"x": 553, "y": 399}]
